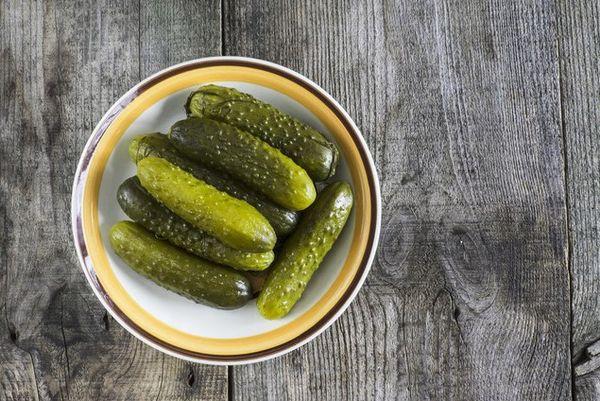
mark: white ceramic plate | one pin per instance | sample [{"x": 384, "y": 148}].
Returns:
[{"x": 175, "y": 324}]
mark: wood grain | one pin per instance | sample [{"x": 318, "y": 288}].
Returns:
[
  {"x": 587, "y": 387},
  {"x": 63, "y": 64},
  {"x": 587, "y": 374},
  {"x": 579, "y": 48},
  {"x": 459, "y": 102},
  {"x": 580, "y": 78},
  {"x": 176, "y": 31},
  {"x": 465, "y": 106}
]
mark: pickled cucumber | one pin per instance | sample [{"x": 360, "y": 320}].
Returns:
[
  {"x": 168, "y": 266},
  {"x": 142, "y": 208},
  {"x": 232, "y": 221},
  {"x": 304, "y": 250},
  {"x": 303, "y": 144},
  {"x": 223, "y": 147},
  {"x": 282, "y": 220}
]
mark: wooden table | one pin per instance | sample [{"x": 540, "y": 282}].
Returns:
[{"x": 483, "y": 120}]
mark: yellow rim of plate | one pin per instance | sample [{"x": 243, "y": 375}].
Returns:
[{"x": 97, "y": 253}]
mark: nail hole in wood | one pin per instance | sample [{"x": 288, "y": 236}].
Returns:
[
  {"x": 14, "y": 336},
  {"x": 191, "y": 378},
  {"x": 105, "y": 320},
  {"x": 459, "y": 230}
]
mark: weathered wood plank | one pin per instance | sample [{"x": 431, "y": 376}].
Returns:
[
  {"x": 587, "y": 387},
  {"x": 63, "y": 64},
  {"x": 459, "y": 102},
  {"x": 171, "y": 32},
  {"x": 177, "y": 31},
  {"x": 579, "y": 49},
  {"x": 580, "y": 77},
  {"x": 587, "y": 374}
]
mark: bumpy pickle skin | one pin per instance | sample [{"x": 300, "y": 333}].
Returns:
[
  {"x": 263, "y": 168},
  {"x": 232, "y": 221},
  {"x": 282, "y": 220},
  {"x": 303, "y": 144},
  {"x": 170, "y": 267},
  {"x": 304, "y": 250},
  {"x": 142, "y": 208}
]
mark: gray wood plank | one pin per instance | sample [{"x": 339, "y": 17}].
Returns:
[
  {"x": 177, "y": 31},
  {"x": 170, "y": 33},
  {"x": 63, "y": 64},
  {"x": 587, "y": 387},
  {"x": 459, "y": 102},
  {"x": 579, "y": 49}
]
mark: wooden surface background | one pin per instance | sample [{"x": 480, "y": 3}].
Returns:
[{"x": 483, "y": 120}]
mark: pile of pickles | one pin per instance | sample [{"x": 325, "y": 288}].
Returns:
[{"x": 224, "y": 207}]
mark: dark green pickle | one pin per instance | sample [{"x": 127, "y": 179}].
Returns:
[
  {"x": 232, "y": 221},
  {"x": 303, "y": 144},
  {"x": 223, "y": 147},
  {"x": 303, "y": 252},
  {"x": 142, "y": 208},
  {"x": 172, "y": 268},
  {"x": 282, "y": 220}
]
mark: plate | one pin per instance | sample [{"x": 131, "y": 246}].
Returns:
[{"x": 176, "y": 325}]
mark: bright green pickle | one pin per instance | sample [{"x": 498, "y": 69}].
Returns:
[
  {"x": 303, "y": 144},
  {"x": 170, "y": 267},
  {"x": 223, "y": 147},
  {"x": 142, "y": 208},
  {"x": 304, "y": 250},
  {"x": 232, "y": 221},
  {"x": 282, "y": 220}
]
